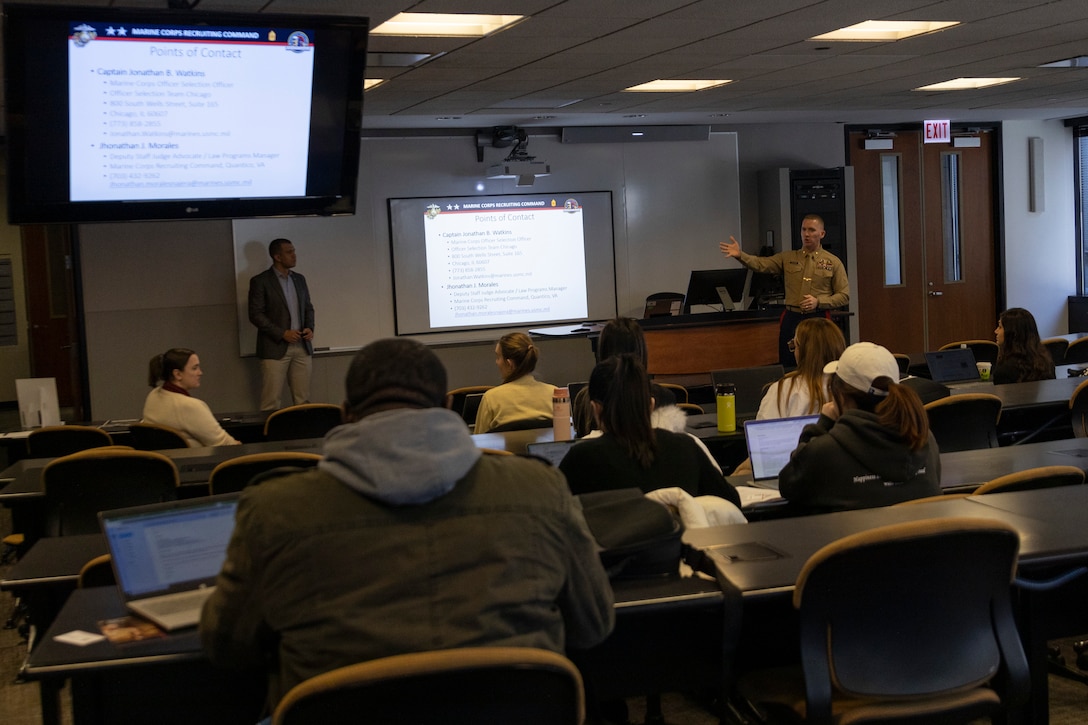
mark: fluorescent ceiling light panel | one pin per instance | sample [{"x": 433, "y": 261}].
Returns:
[
  {"x": 676, "y": 86},
  {"x": 872, "y": 31},
  {"x": 966, "y": 84},
  {"x": 369, "y": 83},
  {"x": 445, "y": 25},
  {"x": 1081, "y": 61}
]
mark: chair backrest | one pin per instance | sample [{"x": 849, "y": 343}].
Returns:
[
  {"x": 155, "y": 437},
  {"x": 61, "y": 440},
  {"x": 1033, "y": 478},
  {"x": 984, "y": 350},
  {"x": 234, "y": 474},
  {"x": 527, "y": 424},
  {"x": 78, "y": 486},
  {"x": 1056, "y": 346},
  {"x": 1076, "y": 352},
  {"x": 911, "y": 611},
  {"x": 309, "y": 420},
  {"x": 98, "y": 572},
  {"x": 751, "y": 384},
  {"x": 663, "y": 304},
  {"x": 1078, "y": 408},
  {"x": 691, "y": 408},
  {"x": 964, "y": 422},
  {"x": 903, "y": 361},
  {"x": 459, "y": 401},
  {"x": 679, "y": 391},
  {"x": 452, "y": 687}
]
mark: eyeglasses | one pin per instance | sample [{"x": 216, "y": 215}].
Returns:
[{"x": 792, "y": 345}]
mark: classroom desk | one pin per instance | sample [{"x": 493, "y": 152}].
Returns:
[
  {"x": 168, "y": 680},
  {"x": 761, "y": 561}
]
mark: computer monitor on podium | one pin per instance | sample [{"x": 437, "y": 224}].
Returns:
[{"x": 720, "y": 288}]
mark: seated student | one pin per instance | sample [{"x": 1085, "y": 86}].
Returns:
[
  {"x": 871, "y": 445},
  {"x": 1021, "y": 356},
  {"x": 521, "y": 397},
  {"x": 630, "y": 452},
  {"x": 405, "y": 538},
  {"x": 171, "y": 404},
  {"x": 618, "y": 336},
  {"x": 816, "y": 342}
]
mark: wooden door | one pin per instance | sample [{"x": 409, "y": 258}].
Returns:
[
  {"x": 51, "y": 309},
  {"x": 925, "y": 242}
]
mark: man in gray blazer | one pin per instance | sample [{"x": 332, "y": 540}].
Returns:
[{"x": 279, "y": 305}]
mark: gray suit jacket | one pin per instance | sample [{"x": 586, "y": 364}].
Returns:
[{"x": 268, "y": 311}]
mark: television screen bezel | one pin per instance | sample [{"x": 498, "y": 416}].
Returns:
[{"x": 22, "y": 209}]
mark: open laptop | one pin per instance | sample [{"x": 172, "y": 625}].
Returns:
[
  {"x": 551, "y": 451},
  {"x": 166, "y": 556},
  {"x": 953, "y": 367},
  {"x": 770, "y": 443}
]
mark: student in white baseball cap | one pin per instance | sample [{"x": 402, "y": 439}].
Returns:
[{"x": 871, "y": 445}]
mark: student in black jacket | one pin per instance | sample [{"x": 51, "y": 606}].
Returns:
[{"x": 871, "y": 445}]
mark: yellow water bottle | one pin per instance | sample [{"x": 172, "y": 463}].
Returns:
[{"x": 726, "y": 395}]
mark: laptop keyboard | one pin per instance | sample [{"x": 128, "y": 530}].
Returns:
[{"x": 174, "y": 603}]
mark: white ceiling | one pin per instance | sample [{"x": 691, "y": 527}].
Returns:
[{"x": 568, "y": 62}]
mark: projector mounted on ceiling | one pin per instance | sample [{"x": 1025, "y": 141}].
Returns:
[{"x": 526, "y": 172}]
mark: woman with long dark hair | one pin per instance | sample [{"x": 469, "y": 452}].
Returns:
[
  {"x": 171, "y": 403},
  {"x": 1021, "y": 356},
  {"x": 871, "y": 445},
  {"x": 630, "y": 452}
]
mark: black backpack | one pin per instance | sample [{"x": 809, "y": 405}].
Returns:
[{"x": 638, "y": 537}]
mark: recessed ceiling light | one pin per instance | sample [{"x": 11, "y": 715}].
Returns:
[
  {"x": 676, "y": 86},
  {"x": 885, "y": 30},
  {"x": 445, "y": 25},
  {"x": 966, "y": 84},
  {"x": 369, "y": 83}
]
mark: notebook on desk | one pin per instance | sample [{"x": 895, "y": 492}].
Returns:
[
  {"x": 955, "y": 366},
  {"x": 770, "y": 443},
  {"x": 166, "y": 556},
  {"x": 551, "y": 451}
]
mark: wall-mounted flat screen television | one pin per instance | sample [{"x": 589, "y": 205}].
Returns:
[
  {"x": 524, "y": 260},
  {"x": 138, "y": 114}
]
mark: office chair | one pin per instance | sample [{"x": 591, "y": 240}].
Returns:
[
  {"x": 309, "y": 420},
  {"x": 910, "y": 623},
  {"x": 1032, "y": 479},
  {"x": 964, "y": 422},
  {"x": 663, "y": 304},
  {"x": 679, "y": 391},
  {"x": 154, "y": 437},
  {"x": 61, "y": 440},
  {"x": 458, "y": 401},
  {"x": 903, "y": 361},
  {"x": 1076, "y": 352},
  {"x": 984, "y": 350},
  {"x": 1056, "y": 346},
  {"x": 527, "y": 424},
  {"x": 234, "y": 474},
  {"x": 1078, "y": 408},
  {"x": 98, "y": 572},
  {"x": 78, "y": 486},
  {"x": 691, "y": 408},
  {"x": 460, "y": 686}
]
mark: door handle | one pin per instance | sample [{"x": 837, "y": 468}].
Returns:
[{"x": 936, "y": 293}]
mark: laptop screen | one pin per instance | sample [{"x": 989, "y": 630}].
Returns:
[
  {"x": 169, "y": 547},
  {"x": 770, "y": 443},
  {"x": 956, "y": 365},
  {"x": 551, "y": 451}
]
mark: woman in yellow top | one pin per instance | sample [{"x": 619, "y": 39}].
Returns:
[{"x": 521, "y": 400}]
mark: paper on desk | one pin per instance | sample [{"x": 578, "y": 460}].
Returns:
[
  {"x": 79, "y": 638},
  {"x": 751, "y": 494}
]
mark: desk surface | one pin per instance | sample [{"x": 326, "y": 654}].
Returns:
[{"x": 1050, "y": 523}]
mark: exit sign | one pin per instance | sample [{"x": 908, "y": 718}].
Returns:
[{"x": 937, "y": 132}]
